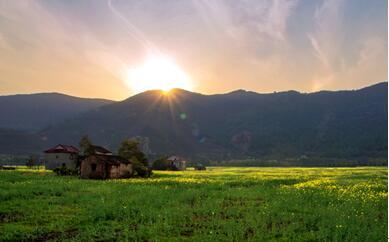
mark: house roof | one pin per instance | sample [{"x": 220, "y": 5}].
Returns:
[
  {"x": 100, "y": 150},
  {"x": 63, "y": 149},
  {"x": 175, "y": 158},
  {"x": 112, "y": 159}
]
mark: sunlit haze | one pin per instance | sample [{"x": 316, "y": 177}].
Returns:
[
  {"x": 114, "y": 49},
  {"x": 157, "y": 72}
]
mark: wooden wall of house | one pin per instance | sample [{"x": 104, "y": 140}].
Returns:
[
  {"x": 113, "y": 171},
  {"x": 103, "y": 170},
  {"x": 120, "y": 171},
  {"x": 125, "y": 170},
  {"x": 87, "y": 165}
]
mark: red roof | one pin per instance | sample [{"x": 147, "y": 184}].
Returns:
[{"x": 63, "y": 149}]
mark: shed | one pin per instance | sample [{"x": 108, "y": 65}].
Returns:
[
  {"x": 177, "y": 163},
  {"x": 105, "y": 167}
]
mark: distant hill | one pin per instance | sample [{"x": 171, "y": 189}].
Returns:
[
  {"x": 20, "y": 142},
  {"x": 37, "y": 111},
  {"x": 240, "y": 124}
]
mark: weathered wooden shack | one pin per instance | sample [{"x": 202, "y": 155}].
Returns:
[
  {"x": 99, "y": 166},
  {"x": 176, "y": 163}
]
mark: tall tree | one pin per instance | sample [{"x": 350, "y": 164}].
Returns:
[
  {"x": 86, "y": 146},
  {"x": 129, "y": 149},
  {"x": 31, "y": 162}
]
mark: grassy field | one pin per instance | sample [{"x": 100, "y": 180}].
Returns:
[{"x": 220, "y": 204}]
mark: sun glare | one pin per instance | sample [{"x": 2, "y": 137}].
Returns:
[{"x": 157, "y": 72}]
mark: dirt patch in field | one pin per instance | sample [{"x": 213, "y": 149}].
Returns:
[
  {"x": 241, "y": 202},
  {"x": 7, "y": 217},
  {"x": 56, "y": 235},
  {"x": 277, "y": 225},
  {"x": 187, "y": 232},
  {"x": 227, "y": 216},
  {"x": 249, "y": 233}
]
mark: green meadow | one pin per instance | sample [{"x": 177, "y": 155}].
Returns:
[{"x": 219, "y": 204}]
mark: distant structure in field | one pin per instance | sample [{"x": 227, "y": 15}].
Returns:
[
  {"x": 177, "y": 163},
  {"x": 105, "y": 166},
  {"x": 61, "y": 155},
  {"x": 101, "y": 163}
]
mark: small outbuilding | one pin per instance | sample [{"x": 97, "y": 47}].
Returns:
[
  {"x": 99, "y": 150},
  {"x": 177, "y": 163},
  {"x": 99, "y": 166},
  {"x": 60, "y": 156}
]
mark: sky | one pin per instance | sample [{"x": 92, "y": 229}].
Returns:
[{"x": 86, "y": 48}]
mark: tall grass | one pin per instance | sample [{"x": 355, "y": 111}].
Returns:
[{"x": 228, "y": 204}]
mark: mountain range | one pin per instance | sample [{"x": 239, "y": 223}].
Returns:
[
  {"x": 37, "y": 111},
  {"x": 239, "y": 124}
]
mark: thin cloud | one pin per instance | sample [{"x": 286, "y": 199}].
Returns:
[
  {"x": 268, "y": 19},
  {"x": 222, "y": 44}
]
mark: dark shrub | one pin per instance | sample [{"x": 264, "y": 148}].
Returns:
[
  {"x": 161, "y": 164},
  {"x": 200, "y": 167},
  {"x": 64, "y": 171}
]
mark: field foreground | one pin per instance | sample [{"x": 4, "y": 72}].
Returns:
[{"x": 229, "y": 204}]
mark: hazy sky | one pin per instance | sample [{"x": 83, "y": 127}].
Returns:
[{"x": 83, "y": 48}]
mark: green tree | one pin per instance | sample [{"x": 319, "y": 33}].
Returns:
[
  {"x": 161, "y": 164},
  {"x": 129, "y": 149},
  {"x": 31, "y": 161},
  {"x": 86, "y": 146}
]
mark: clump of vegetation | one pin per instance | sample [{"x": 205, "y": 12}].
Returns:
[
  {"x": 162, "y": 164},
  {"x": 86, "y": 148},
  {"x": 129, "y": 149},
  {"x": 32, "y": 162},
  {"x": 200, "y": 167},
  {"x": 65, "y": 171},
  {"x": 7, "y": 167}
]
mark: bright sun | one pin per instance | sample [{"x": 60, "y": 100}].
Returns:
[{"x": 157, "y": 72}]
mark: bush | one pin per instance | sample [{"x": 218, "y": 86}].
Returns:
[
  {"x": 64, "y": 171},
  {"x": 143, "y": 171},
  {"x": 161, "y": 164},
  {"x": 140, "y": 169},
  {"x": 200, "y": 167},
  {"x": 129, "y": 149}
]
